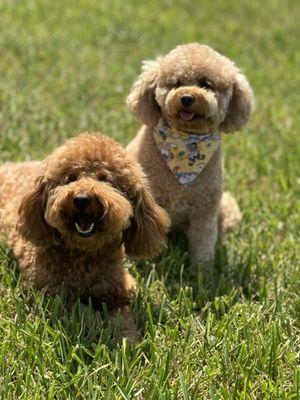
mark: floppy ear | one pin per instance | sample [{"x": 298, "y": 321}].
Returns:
[
  {"x": 240, "y": 105},
  {"x": 141, "y": 100},
  {"x": 31, "y": 223},
  {"x": 147, "y": 233}
]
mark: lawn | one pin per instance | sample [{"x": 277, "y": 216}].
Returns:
[{"x": 67, "y": 67}]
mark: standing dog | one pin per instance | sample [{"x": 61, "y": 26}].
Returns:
[
  {"x": 185, "y": 100},
  {"x": 71, "y": 218}
]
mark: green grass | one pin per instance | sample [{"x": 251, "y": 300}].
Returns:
[{"x": 66, "y": 67}]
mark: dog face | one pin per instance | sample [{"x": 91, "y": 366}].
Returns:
[
  {"x": 90, "y": 196},
  {"x": 87, "y": 210},
  {"x": 194, "y": 89}
]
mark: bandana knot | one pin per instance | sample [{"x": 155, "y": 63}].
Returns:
[{"x": 186, "y": 154}]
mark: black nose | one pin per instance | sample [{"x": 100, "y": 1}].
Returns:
[
  {"x": 81, "y": 201},
  {"x": 187, "y": 100}
]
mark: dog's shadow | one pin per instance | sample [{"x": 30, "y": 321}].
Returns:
[
  {"x": 220, "y": 286},
  {"x": 171, "y": 274}
]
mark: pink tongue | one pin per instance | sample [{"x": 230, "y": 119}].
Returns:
[{"x": 186, "y": 116}]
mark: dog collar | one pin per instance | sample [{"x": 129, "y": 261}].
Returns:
[{"x": 186, "y": 154}]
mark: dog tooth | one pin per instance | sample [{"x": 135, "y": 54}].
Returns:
[{"x": 80, "y": 230}]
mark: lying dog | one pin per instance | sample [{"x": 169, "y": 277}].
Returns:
[
  {"x": 185, "y": 100},
  {"x": 70, "y": 219}
]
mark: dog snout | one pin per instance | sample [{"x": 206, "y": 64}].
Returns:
[
  {"x": 81, "y": 201},
  {"x": 187, "y": 100}
]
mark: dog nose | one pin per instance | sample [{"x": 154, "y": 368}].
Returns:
[
  {"x": 187, "y": 100},
  {"x": 81, "y": 201}
]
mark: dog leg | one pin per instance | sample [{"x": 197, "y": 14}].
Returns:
[
  {"x": 229, "y": 214},
  {"x": 202, "y": 236},
  {"x": 123, "y": 318}
]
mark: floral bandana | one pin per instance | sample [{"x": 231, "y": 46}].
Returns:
[{"x": 186, "y": 154}]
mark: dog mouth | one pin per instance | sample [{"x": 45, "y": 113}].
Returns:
[
  {"x": 85, "y": 230},
  {"x": 187, "y": 116},
  {"x": 84, "y": 225}
]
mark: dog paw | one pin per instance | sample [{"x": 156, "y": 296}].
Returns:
[{"x": 125, "y": 327}]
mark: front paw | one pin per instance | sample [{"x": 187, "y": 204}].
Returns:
[
  {"x": 204, "y": 259},
  {"x": 124, "y": 325}
]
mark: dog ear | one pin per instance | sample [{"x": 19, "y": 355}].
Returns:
[
  {"x": 147, "y": 233},
  {"x": 141, "y": 100},
  {"x": 240, "y": 105},
  {"x": 31, "y": 223}
]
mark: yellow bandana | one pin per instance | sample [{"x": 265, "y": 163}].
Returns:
[{"x": 186, "y": 154}]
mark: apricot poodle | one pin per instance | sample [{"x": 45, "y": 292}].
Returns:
[
  {"x": 185, "y": 100},
  {"x": 70, "y": 219}
]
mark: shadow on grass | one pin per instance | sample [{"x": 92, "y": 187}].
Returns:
[
  {"x": 230, "y": 278},
  {"x": 171, "y": 276}
]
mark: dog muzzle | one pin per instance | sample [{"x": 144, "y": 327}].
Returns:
[{"x": 186, "y": 154}]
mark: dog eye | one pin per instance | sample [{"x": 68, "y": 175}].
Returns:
[
  {"x": 70, "y": 178},
  {"x": 173, "y": 85},
  {"x": 205, "y": 84},
  {"x": 177, "y": 84},
  {"x": 102, "y": 178}
]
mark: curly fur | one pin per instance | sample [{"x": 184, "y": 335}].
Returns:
[
  {"x": 38, "y": 214},
  {"x": 223, "y": 101}
]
